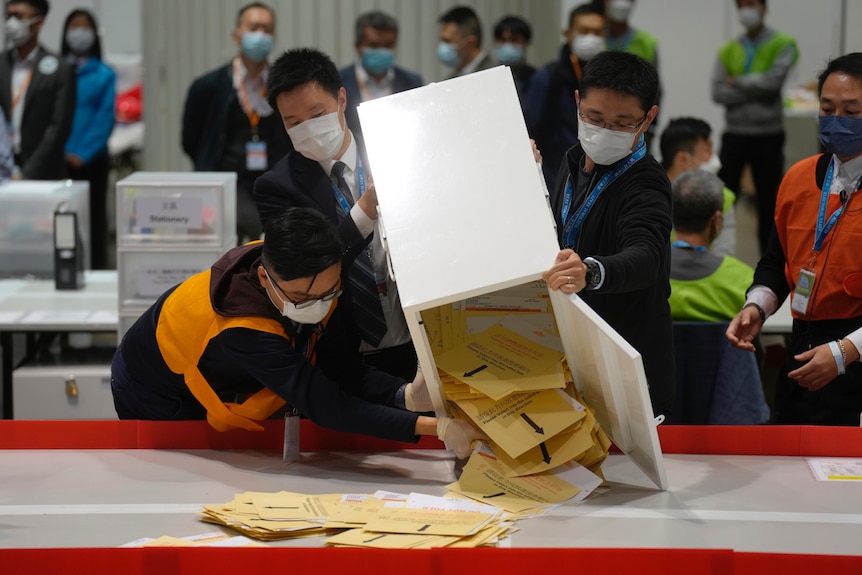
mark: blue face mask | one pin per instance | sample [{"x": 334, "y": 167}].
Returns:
[
  {"x": 841, "y": 135},
  {"x": 509, "y": 53},
  {"x": 377, "y": 60},
  {"x": 448, "y": 54},
  {"x": 256, "y": 45}
]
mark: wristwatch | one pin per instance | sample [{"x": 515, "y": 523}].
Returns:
[{"x": 594, "y": 273}]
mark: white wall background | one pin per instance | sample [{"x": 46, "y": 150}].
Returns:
[{"x": 119, "y": 20}]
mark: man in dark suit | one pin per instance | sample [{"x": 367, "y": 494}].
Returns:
[
  {"x": 37, "y": 94},
  {"x": 460, "y": 45},
  {"x": 374, "y": 74},
  {"x": 327, "y": 171},
  {"x": 228, "y": 126}
]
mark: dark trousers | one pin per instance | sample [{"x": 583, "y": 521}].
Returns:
[
  {"x": 96, "y": 173},
  {"x": 837, "y": 403},
  {"x": 765, "y": 154},
  {"x": 400, "y": 360}
]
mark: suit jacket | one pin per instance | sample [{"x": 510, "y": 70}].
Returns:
[
  {"x": 296, "y": 181},
  {"x": 49, "y": 107},
  {"x": 403, "y": 80},
  {"x": 484, "y": 64}
]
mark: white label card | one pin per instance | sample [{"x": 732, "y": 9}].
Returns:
[
  {"x": 175, "y": 213},
  {"x": 153, "y": 281}
]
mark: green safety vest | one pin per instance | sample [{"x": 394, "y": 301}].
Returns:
[
  {"x": 732, "y": 54},
  {"x": 643, "y": 44},
  {"x": 717, "y": 297}
]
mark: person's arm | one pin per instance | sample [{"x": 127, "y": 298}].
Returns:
[
  {"x": 271, "y": 361},
  {"x": 768, "y": 83},
  {"x": 53, "y": 141},
  {"x": 95, "y": 138},
  {"x": 194, "y": 115},
  {"x": 643, "y": 235},
  {"x": 723, "y": 92}
]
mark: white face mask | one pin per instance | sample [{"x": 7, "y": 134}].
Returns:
[
  {"x": 750, "y": 17},
  {"x": 312, "y": 314},
  {"x": 605, "y": 146},
  {"x": 80, "y": 39},
  {"x": 18, "y": 31},
  {"x": 712, "y": 165},
  {"x": 318, "y": 139},
  {"x": 587, "y": 46},
  {"x": 619, "y": 10}
]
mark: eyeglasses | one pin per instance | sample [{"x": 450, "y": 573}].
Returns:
[
  {"x": 612, "y": 125},
  {"x": 337, "y": 291}
]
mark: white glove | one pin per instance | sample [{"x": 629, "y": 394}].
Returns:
[
  {"x": 458, "y": 435},
  {"x": 416, "y": 396}
]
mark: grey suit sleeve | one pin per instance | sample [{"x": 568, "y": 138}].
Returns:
[{"x": 53, "y": 141}]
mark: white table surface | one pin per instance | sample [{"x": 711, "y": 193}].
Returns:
[
  {"x": 35, "y": 305},
  {"x": 105, "y": 498}
]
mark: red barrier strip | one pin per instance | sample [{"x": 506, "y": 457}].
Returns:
[{"x": 182, "y": 561}]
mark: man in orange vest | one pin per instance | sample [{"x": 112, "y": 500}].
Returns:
[
  {"x": 815, "y": 257},
  {"x": 262, "y": 324}
]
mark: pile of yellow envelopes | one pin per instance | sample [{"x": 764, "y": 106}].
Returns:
[{"x": 381, "y": 520}]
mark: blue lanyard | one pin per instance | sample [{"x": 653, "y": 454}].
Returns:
[
  {"x": 339, "y": 197},
  {"x": 750, "y": 51},
  {"x": 822, "y": 231},
  {"x": 682, "y": 244},
  {"x": 573, "y": 224}
]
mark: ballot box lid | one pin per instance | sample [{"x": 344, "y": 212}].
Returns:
[
  {"x": 465, "y": 212},
  {"x": 463, "y": 205},
  {"x": 610, "y": 376}
]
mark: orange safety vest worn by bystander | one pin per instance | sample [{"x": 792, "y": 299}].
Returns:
[{"x": 836, "y": 267}]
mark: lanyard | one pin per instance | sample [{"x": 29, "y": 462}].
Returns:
[
  {"x": 253, "y": 115},
  {"x": 573, "y": 224},
  {"x": 360, "y": 176},
  {"x": 682, "y": 244},
  {"x": 22, "y": 89},
  {"x": 821, "y": 231}
]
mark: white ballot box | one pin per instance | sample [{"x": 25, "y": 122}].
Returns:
[{"x": 465, "y": 218}]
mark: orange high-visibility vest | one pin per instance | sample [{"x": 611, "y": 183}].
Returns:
[
  {"x": 839, "y": 262},
  {"x": 186, "y": 325}
]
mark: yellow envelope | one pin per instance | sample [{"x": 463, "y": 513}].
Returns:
[
  {"x": 286, "y": 507},
  {"x": 569, "y": 444},
  {"x": 523, "y": 420},
  {"x": 429, "y": 522}
]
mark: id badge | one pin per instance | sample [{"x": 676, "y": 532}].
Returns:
[
  {"x": 255, "y": 156},
  {"x": 802, "y": 293}
]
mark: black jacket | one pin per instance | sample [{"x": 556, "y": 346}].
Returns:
[
  {"x": 205, "y": 119},
  {"x": 628, "y": 231}
]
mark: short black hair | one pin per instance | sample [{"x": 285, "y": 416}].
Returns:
[
  {"x": 762, "y": 3},
  {"x": 300, "y": 243},
  {"x": 375, "y": 19},
  {"x": 298, "y": 67},
  {"x": 682, "y": 134},
  {"x": 596, "y": 8},
  {"x": 248, "y": 7},
  {"x": 466, "y": 19},
  {"x": 95, "y": 50},
  {"x": 697, "y": 195},
  {"x": 515, "y": 25},
  {"x": 850, "y": 64},
  {"x": 40, "y": 6},
  {"x": 622, "y": 73}
]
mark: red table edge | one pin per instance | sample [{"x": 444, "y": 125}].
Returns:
[
  {"x": 185, "y": 560},
  {"x": 803, "y": 441}
]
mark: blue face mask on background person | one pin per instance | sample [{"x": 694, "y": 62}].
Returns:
[
  {"x": 841, "y": 135},
  {"x": 377, "y": 60},
  {"x": 509, "y": 53},
  {"x": 256, "y": 45},
  {"x": 448, "y": 54}
]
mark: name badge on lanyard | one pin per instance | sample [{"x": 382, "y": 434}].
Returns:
[
  {"x": 255, "y": 156},
  {"x": 807, "y": 278}
]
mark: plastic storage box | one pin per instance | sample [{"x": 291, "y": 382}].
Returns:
[
  {"x": 196, "y": 208},
  {"x": 27, "y": 224}
]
